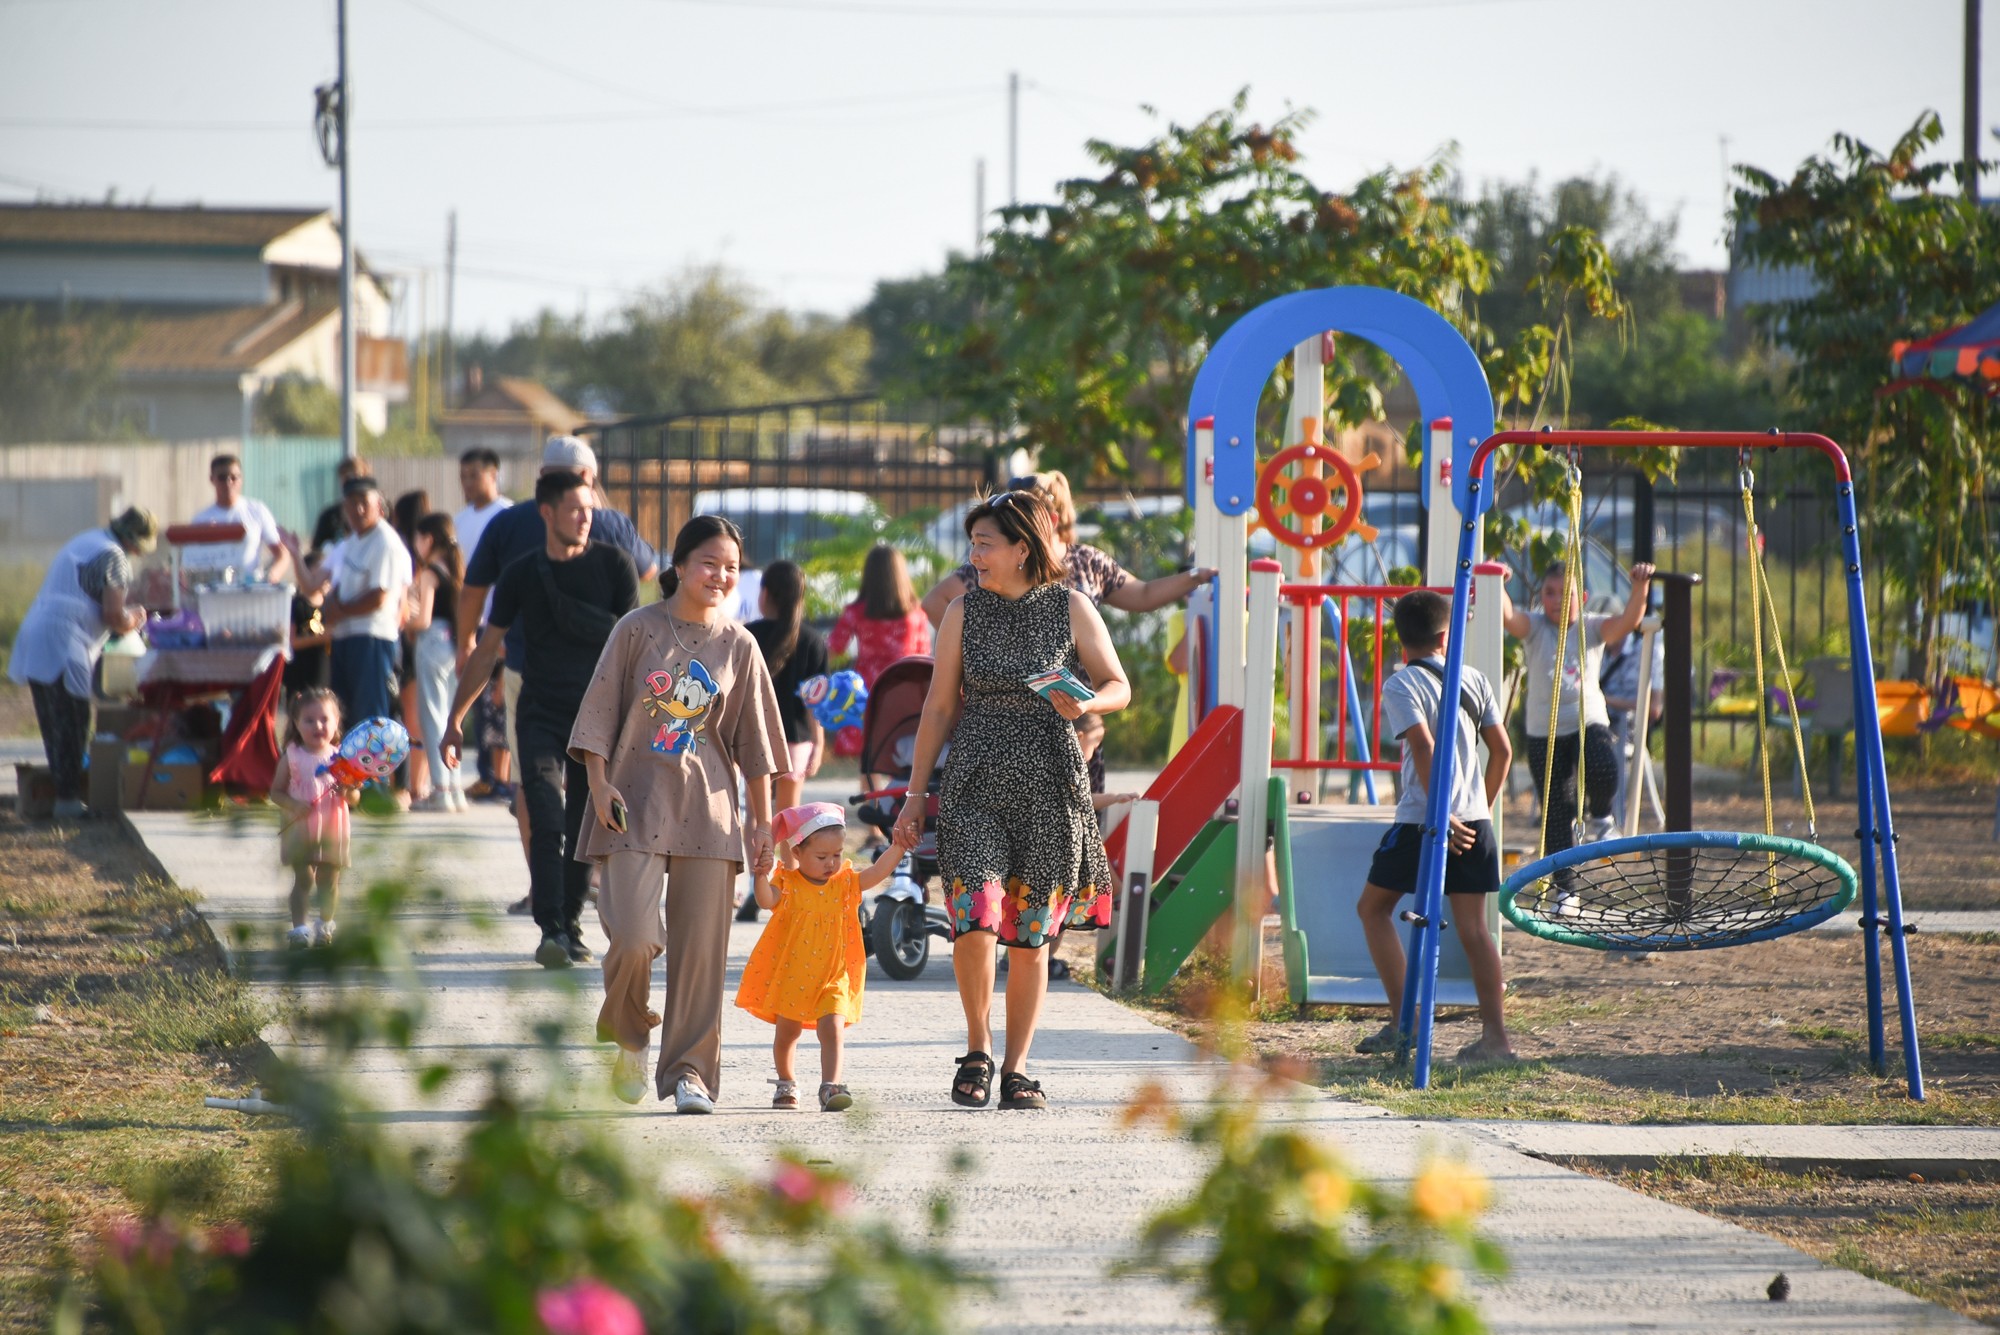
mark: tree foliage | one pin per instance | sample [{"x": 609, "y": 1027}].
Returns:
[
  {"x": 59, "y": 375},
  {"x": 703, "y": 340},
  {"x": 1896, "y": 251},
  {"x": 1091, "y": 313}
]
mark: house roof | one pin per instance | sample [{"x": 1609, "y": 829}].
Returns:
[
  {"x": 508, "y": 400},
  {"x": 145, "y": 225},
  {"x": 232, "y": 339}
]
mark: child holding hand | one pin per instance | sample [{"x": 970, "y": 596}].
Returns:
[
  {"x": 314, "y": 838},
  {"x": 809, "y": 966}
]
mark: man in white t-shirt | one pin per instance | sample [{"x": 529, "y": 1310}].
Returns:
[
  {"x": 486, "y": 728},
  {"x": 262, "y": 539},
  {"x": 364, "y": 607},
  {"x": 479, "y": 479}
]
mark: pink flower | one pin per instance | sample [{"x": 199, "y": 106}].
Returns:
[
  {"x": 986, "y": 902},
  {"x": 161, "y": 1243},
  {"x": 588, "y": 1308},
  {"x": 123, "y": 1236},
  {"x": 800, "y": 1185},
  {"x": 229, "y": 1240},
  {"x": 1100, "y": 910},
  {"x": 795, "y": 1182}
]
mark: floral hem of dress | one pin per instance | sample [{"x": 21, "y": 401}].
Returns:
[{"x": 1012, "y": 915}]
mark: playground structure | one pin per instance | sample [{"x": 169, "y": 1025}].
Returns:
[
  {"x": 1309, "y": 503},
  {"x": 1179, "y": 854}
]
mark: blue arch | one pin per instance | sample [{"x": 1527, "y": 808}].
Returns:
[{"x": 1441, "y": 365}]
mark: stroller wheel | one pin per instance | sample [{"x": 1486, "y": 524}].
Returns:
[{"x": 899, "y": 939}]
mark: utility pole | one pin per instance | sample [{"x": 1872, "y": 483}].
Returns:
[
  {"x": 978, "y": 207},
  {"x": 450, "y": 293},
  {"x": 1972, "y": 100},
  {"x": 342, "y": 116},
  {"x": 1014, "y": 135}
]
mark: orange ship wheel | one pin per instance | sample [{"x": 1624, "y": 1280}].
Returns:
[{"x": 1334, "y": 500}]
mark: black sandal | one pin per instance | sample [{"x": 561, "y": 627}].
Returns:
[
  {"x": 1019, "y": 1092},
  {"x": 974, "y": 1069}
]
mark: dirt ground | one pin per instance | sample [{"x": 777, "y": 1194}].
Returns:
[
  {"x": 115, "y": 1020},
  {"x": 1939, "y": 1240},
  {"x": 1771, "y": 1033}
]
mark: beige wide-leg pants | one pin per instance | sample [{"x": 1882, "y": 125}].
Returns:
[{"x": 647, "y": 905}]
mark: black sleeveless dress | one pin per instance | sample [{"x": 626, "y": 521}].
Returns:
[{"x": 1018, "y": 844}]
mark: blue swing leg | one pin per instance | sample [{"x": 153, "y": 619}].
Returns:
[
  {"x": 1878, "y": 832},
  {"x": 1420, "y": 984}
]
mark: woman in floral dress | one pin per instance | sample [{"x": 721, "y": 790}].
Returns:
[{"x": 1018, "y": 846}]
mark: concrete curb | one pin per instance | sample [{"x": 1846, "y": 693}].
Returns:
[{"x": 1930, "y": 1170}]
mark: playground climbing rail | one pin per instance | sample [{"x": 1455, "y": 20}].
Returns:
[{"x": 1310, "y": 600}]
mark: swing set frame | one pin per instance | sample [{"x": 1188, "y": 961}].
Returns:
[{"x": 1881, "y": 896}]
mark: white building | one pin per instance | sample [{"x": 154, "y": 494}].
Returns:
[{"x": 226, "y": 301}]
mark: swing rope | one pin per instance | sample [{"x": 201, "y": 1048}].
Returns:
[
  {"x": 1572, "y": 597},
  {"x": 1761, "y": 599}
]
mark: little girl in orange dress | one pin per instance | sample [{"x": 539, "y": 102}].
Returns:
[{"x": 809, "y": 966}]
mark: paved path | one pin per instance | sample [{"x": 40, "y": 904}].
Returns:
[
  {"x": 1053, "y": 1198},
  {"x": 1935, "y": 1152}
]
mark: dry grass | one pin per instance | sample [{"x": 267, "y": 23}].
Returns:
[
  {"x": 116, "y": 1018},
  {"x": 1938, "y": 1240}
]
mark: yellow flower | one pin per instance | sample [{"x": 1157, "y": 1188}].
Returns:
[
  {"x": 1440, "y": 1282},
  {"x": 1449, "y": 1193},
  {"x": 1149, "y": 1103},
  {"x": 1328, "y": 1193}
]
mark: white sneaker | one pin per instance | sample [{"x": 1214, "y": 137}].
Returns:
[
  {"x": 433, "y": 801},
  {"x": 690, "y": 1097},
  {"x": 299, "y": 937},
  {"x": 458, "y": 802},
  {"x": 322, "y": 932},
  {"x": 1604, "y": 827},
  {"x": 628, "y": 1076},
  {"x": 1568, "y": 905}
]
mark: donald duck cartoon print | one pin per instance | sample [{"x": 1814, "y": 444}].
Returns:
[{"x": 682, "y": 703}]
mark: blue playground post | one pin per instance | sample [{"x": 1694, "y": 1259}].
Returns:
[{"x": 1359, "y": 735}]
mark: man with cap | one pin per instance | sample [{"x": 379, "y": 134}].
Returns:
[
  {"x": 516, "y": 532},
  {"x": 369, "y": 572},
  {"x": 80, "y": 606}
]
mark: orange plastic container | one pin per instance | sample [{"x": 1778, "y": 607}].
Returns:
[{"x": 1901, "y": 705}]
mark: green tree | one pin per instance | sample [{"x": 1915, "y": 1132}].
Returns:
[
  {"x": 59, "y": 375},
  {"x": 293, "y": 405},
  {"x": 704, "y": 340},
  {"x": 1093, "y": 313},
  {"x": 1896, "y": 252}
]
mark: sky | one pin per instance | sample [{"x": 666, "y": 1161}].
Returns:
[{"x": 592, "y": 149}]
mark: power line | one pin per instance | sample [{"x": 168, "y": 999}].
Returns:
[
  {"x": 585, "y": 78},
  {"x": 748, "y": 111},
  {"x": 887, "y": 8}
]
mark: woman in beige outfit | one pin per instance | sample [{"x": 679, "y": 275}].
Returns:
[{"x": 680, "y": 706}]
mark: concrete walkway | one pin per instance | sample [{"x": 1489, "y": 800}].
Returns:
[
  {"x": 1937, "y": 1153},
  {"x": 1052, "y": 1199}
]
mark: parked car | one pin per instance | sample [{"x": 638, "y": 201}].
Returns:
[{"x": 780, "y": 523}]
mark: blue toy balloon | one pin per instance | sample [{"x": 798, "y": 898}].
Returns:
[{"x": 837, "y": 701}]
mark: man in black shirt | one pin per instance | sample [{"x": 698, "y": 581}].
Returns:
[{"x": 567, "y": 597}]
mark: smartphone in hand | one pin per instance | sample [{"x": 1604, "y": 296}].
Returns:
[{"x": 618, "y": 815}]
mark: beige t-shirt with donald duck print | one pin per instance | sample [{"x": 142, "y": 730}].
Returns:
[{"x": 677, "y": 708}]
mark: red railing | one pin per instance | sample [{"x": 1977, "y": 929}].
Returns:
[{"x": 1307, "y": 601}]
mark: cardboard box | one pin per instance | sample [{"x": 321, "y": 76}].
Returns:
[{"x": 172, "y": 788}]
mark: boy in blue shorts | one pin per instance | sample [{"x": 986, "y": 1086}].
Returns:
[{"x": 1410, "y": 703}]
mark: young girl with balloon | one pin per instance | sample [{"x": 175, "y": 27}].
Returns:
[{"x": 313, "y": 841}]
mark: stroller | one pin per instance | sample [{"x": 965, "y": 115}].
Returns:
[{"x": 900, "y": 930}]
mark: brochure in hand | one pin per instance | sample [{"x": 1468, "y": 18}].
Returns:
[{"x": 1046, "y": 684}]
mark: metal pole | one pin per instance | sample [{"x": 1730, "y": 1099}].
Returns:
[
  {"x": 347, "y": 446},
  {"x": 978, "y": 207},
  {"x": 450, "y": 293},
  {"x": 1013, "y": 137},
  {"x": 1677, "y": 718},
  {"x": 1872, "y": 778},
  {"x": 1972, "y": 100}
]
